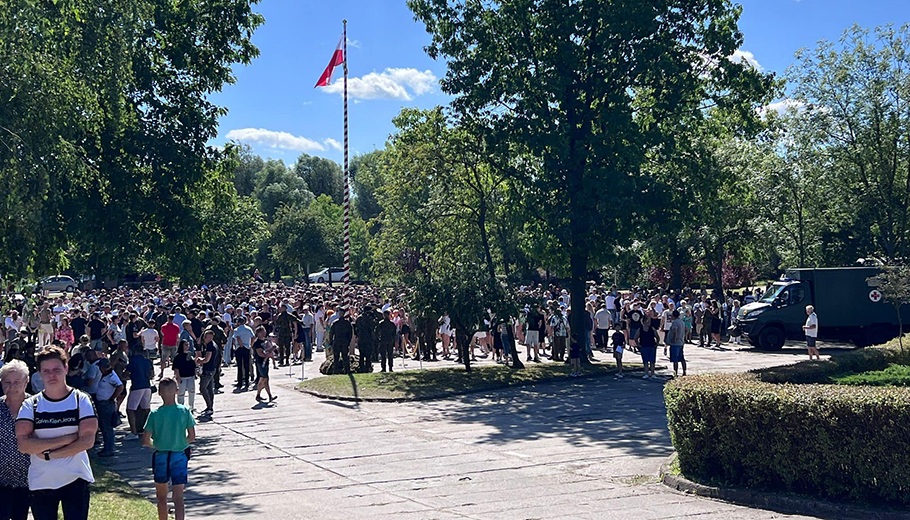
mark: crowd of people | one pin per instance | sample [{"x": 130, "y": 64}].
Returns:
[{"x": 76, "y": 365}]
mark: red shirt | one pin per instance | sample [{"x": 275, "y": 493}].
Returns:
[{"x": 169, "y": 334}]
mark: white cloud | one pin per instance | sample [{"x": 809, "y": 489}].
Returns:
[
  {"x": 276, "y": 140},
  {"x": 393, "y": 83},
  {"x": 332, "y": 143},
  {"x": 782, "y": 107},
  {"x": 746, "y": 58},
  {"x": 354, "y": 43}
]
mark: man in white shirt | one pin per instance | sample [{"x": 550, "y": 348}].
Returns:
[
  {"x": 149, "y": 338},
  {"x": 603, "y": 322},
  {"x": 811, "y": 328}
]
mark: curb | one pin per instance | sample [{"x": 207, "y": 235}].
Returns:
[
  {"x": 781, "y": 503},
  {"x": 446, "y": 395}
]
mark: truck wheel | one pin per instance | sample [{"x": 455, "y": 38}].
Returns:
[{"x": 771, "y": 338}]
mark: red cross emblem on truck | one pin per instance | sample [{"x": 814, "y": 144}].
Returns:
[{"x": 875, "y": 296}]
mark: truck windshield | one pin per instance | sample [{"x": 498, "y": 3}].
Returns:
[{"x": 772, "y": 293}]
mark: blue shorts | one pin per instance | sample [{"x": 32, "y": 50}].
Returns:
[
  {"x": 676, "y": 353},
  {"x": 169, "y": 466},
  {"x": 648, "y": 354}
]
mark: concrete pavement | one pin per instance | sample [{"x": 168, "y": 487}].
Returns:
[{"x": 586, "y": 449}]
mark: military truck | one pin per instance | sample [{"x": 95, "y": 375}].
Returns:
[{"x": 846, "y": 299}]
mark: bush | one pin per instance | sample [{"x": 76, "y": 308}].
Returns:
[
  {"x": 894, "y": 375},
  {"x": 835, "y": 442},
  {"x": 852, "y": 362}
]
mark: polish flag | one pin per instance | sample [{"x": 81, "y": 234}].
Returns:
[{"x": 337, "y": 59}]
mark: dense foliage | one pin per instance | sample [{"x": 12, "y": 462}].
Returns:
[
  {"x": 832, "y": 441},
  {"x": 613, "y": 140}
]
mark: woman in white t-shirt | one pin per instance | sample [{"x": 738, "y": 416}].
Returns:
[{"x": 56, "y": 427}]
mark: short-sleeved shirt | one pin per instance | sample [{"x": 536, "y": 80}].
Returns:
[
  {"x": 94, "y": 373},
  {"x": 244, "y": 335},
  {"x": 169, "y": 334},
  {"x": 107, "y": 386},
  {"x": 812, "y": 320},
  {"x": 168, "y": 425},
  {"x": 52, "y": 419},
  {"x": 149, "y": 339},
  {"x": 139, "y": 368},
  {"x": 78, "y": 325},
  {"x": 96, "y": 329},
  {"x": 213, "y": 361},
  {"x": 603, "y": 318}
]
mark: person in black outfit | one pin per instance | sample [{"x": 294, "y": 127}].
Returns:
[
  {"x": 388, "y": 332},
  {"x": 78, "y": 324},
  {"x": 364, "y": 328},
  {"x": 210, "y": 360},
  {"x": 341, "y": 334}
]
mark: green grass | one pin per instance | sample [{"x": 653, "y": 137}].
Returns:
[
  {"x": 443, "y": 382},
  {"x": 114, "y": 499},
  {"x": 894, "y": 375}
]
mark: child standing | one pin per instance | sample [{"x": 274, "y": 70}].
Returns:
[
  {"x": 619, "y": 345},
  {"x": 169, "y": 430},
  {"x": 575, "y": 356}
]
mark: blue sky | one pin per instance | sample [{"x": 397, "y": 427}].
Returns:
[{"x": 274, "y": 108}]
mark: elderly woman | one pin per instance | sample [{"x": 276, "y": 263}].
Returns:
[{"x": 14, "y": 494}]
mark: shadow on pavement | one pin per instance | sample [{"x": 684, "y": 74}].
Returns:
[
  {"x": 133, "y": 463},
  {"x": 628, "y": 415}
]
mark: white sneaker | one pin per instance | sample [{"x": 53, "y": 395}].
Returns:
[
  {"x": 646, "y": 376},
  {"x": 131, "y": 437}
]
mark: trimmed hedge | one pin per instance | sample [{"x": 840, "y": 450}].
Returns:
[
  {"x": 835, "y": 442},
  {"x": 851, "y": 362}
]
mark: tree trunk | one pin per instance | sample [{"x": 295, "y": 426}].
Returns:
[
  {"x": 579, "y": 267},
  {"x": 719, "y": 280},
  {"x": 484, "y": 239},
  {"x": 464, "y": 346},
  {"x": 676, "y": 271}
]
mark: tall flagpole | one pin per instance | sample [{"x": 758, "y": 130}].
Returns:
[{"x": 347, "y": 173}]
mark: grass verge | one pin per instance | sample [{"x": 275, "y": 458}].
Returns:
[
  {"x": 444, "y": 382},
  {"x": 114, "y": 499},
  {"x": 894, "y": 375}
]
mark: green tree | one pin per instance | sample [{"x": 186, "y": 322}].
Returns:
[
  {"x": 277, "y": 186},
  {"x": 894, "y": 284},
  {"x": 588, "y": 88},
  {"x": 855, "y": 95},
  {"x": 106, "y": 113},
  {"x": 298, "y": 240},
  {"x": 322, "y": 176},
  {"x": 245, "y": 174},
  {"x": 367, "y": 175}
]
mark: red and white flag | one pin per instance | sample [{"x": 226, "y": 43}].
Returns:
[{"x": 337, "y": 60}]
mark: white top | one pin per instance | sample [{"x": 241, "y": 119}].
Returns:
[
  {"x": 55, "y": 419},
  {"x": 107, "y": 386},
  {"x": 307, "y": 320},
  {"x": 319, "y": 318},
  {"x": 149, "y": 339},
  {"x": 604, "y": 319},
  {"x": 812, "y": 320},
  {"x": 445, "y": 326}
]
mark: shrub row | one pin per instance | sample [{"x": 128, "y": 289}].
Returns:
[
  {"x": 835, "y": 442},
  {"x": 852, "y": 362}
]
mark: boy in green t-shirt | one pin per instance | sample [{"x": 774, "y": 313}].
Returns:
[{"x": 169, "y": 430}]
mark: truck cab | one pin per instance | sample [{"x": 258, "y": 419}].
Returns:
[{"x": 778, "y": 315}]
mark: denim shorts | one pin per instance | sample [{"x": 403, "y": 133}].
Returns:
[{"x": 169, "y": 466}]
